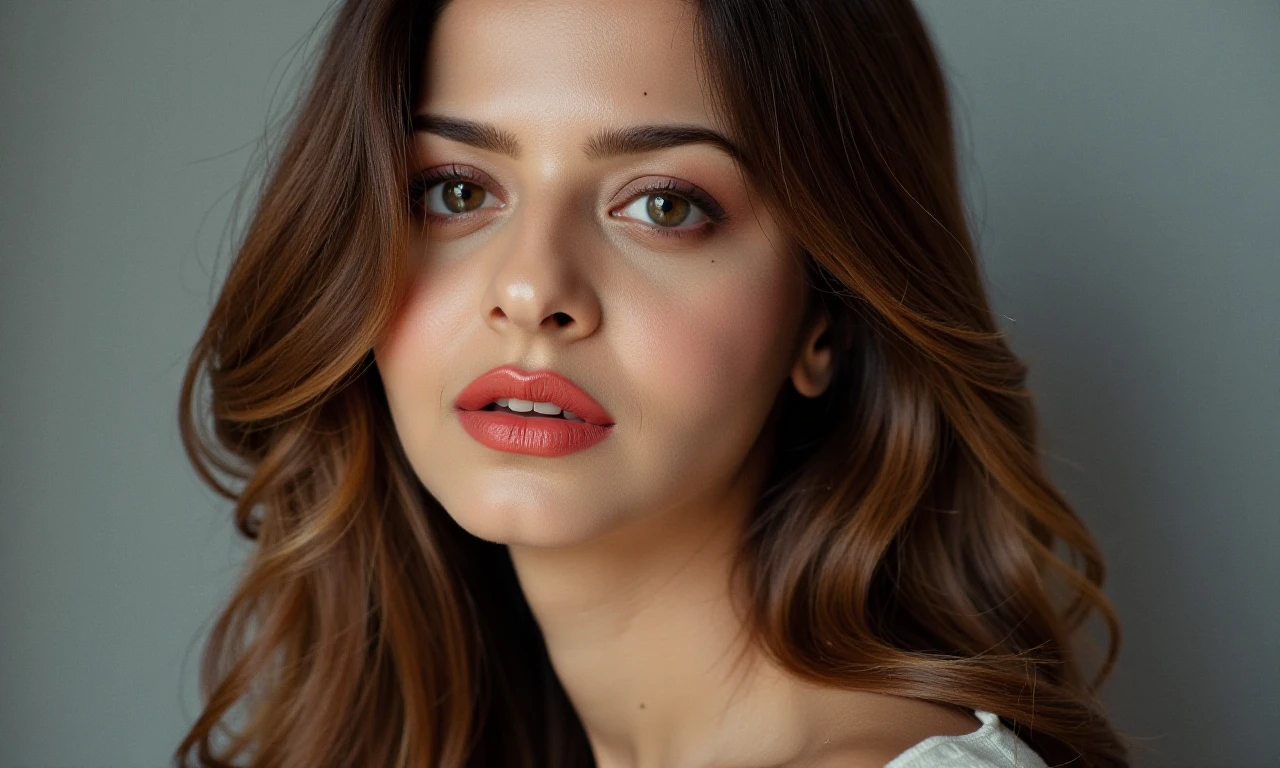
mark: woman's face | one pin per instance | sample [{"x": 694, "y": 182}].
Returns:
[{"x": 562, "y": 252}]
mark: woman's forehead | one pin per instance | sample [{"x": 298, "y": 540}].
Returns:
[{"x": 558, "y": 65}]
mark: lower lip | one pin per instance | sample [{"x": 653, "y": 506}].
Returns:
[{"x": 530, "y": 435}]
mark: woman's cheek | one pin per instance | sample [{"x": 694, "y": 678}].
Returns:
[
  {"x": 433, "y": 313},
  {"x": 710, "y": 358},
  {"x": 414, "y": 353}
]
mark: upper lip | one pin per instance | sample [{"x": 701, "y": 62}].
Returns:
[{"x": 539, "y": 386}]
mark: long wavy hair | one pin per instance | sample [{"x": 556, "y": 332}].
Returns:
[{"x": 909, "y": 540}]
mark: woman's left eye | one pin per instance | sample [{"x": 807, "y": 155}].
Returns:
[{"x": 665, "y": 210}]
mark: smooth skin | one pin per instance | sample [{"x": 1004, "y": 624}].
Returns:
[{"x": 622, "y": 549}]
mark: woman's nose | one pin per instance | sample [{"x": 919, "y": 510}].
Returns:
[{"x": 539, "y": 283}]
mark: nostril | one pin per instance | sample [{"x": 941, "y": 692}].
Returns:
[{"x": 562, "y": 319}]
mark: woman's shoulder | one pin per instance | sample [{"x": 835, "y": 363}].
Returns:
[{"x": 990, "y": 745}]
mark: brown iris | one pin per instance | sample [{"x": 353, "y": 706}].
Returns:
[
  {"x": 462, "y": 196},
  {"x": 668, "y": 210}
]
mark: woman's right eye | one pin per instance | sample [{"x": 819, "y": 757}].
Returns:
[
  {"x": 457, "y": 196},
  {"x": 449, "y": 193}
]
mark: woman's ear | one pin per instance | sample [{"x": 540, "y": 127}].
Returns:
[{"x": 815, "y": 364}]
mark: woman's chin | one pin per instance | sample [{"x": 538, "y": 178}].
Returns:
[{"x": 530, "y": 522}]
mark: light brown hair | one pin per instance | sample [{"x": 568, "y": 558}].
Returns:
[{"x": 906, "y": 542}]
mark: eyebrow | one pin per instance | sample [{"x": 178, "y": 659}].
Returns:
[{"x": 607, "y": 142}]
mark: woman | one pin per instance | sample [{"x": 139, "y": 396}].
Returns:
[{"x": 613, "y": 383}]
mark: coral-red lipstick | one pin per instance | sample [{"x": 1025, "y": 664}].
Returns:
[{"x": 531, "y": 429}]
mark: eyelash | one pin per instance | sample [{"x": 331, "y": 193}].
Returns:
[{"x": 424, "y": 180}]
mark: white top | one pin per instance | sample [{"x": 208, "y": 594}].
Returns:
[{"x": 991, "y": 746}]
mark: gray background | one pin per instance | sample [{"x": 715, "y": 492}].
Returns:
[{"x": 1124, "y": 176}]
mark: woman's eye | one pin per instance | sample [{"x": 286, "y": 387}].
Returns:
[
  {"x": 454, "y": 196},
  {"x": 665, "y": 210}
]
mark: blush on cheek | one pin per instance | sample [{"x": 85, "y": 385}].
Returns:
[
  {"x": 388, "y": 348},
  {"x": 717, "y": 363},
  {"x": 431, "y": 316}
]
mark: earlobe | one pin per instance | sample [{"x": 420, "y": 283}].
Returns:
[{"x": 814, "y": 366}]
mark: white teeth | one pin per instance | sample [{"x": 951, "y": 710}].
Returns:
[{"x": 525, "y": 406}]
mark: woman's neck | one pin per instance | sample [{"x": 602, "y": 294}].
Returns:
[{"x": 642, "y": 629}]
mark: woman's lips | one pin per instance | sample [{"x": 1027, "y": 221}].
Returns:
[{"x": 535, "y": 434}]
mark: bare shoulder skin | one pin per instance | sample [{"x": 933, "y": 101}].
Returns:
[{"x": 890, "y": 726}]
